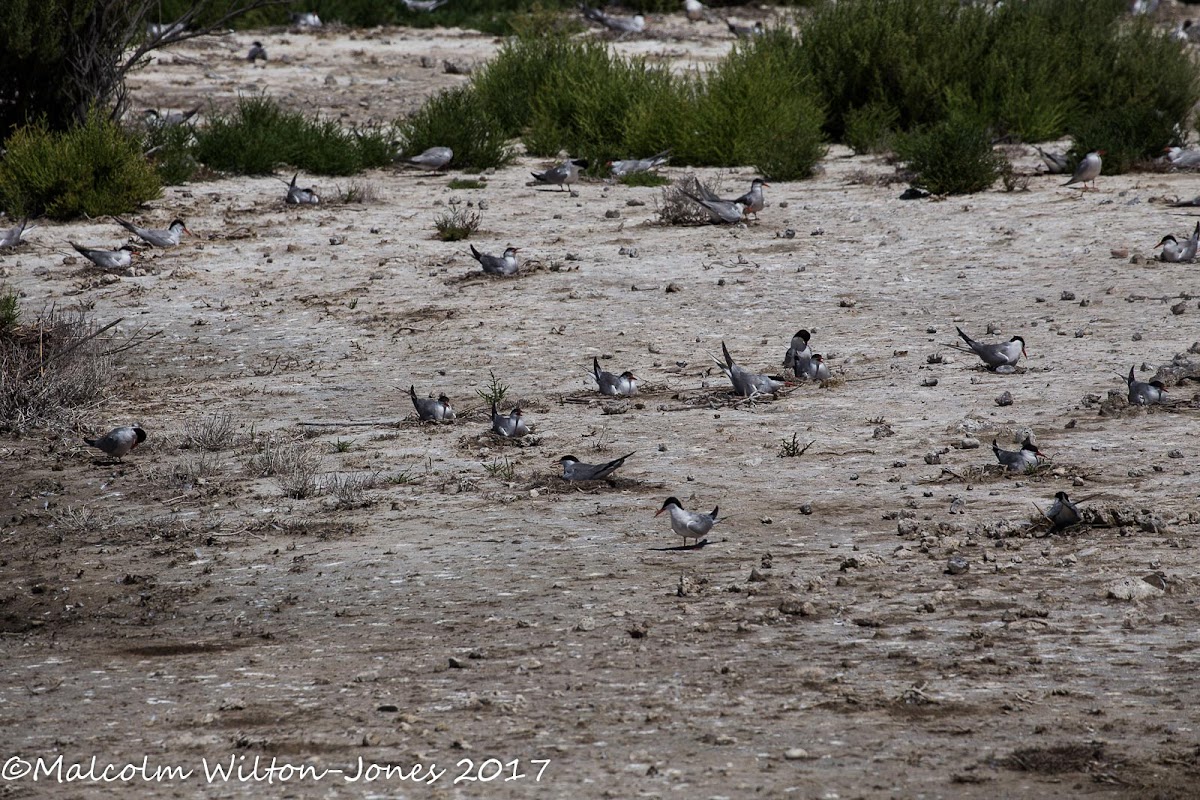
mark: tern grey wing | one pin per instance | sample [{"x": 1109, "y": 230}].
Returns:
[
  {"x": 434, "y": 158},
  {"x": 105, "y": 259},
  {"x": 12, "y": 237}
]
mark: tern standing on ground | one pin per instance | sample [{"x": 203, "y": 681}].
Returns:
[
  {"x": 995, "y": 356},
  {"x": 119, "y": 441},
  {"x": 688, "y": 524},
  {"x": 1088, "y": 169},
  {"x": 562, "y": 175}
]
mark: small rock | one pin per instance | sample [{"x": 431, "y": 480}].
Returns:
[
  {"x": 899, "y": 464},
  {"x": 1176, "y": 453},
  {"x": 806, "y": 509},
  {"x": 1131, "y": 589},
  {"x": 1067, "y": 296},
  {"x": 789, "y": 233},
  {"x": 1179, "y": 308},
  {"x": 933, "y": 458},
  {"x": 1119, "y": 253},
  {"x": 795, "y": 754},
  {"x": 850, "y": 302},
  {"x": 1005, "y": 399},
  {"x": 756, "y": 576},
  {"x": 968, "y": 443},
  {"x": 586, "y": 624},
  {"x": 456, "y": 664},
  {"x": 957, "y": 565},
  {"x": 635, "y": 203},
  {"x": 673, "y": 287},
  {"x": 934, "y": 358},
  {"x": 930, "y": 382},
  {"x": 783, "y": 204},
  {"x": 612, "y": 213},
  {"x": 483, "y": 205}
]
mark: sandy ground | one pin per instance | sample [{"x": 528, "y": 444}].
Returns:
[{"x": 815, "y": 648}]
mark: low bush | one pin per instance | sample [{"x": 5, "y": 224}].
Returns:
[
  {"x": 92, "y": 170},
  {"x": 259, "y": 136},
  {"x": 456, "y": 224},
  {"x": 871, "y": 128},
  {"x": 170, "y": 149},
  {"x": 455, "y": 119},
  {"x": 953, "y": 156}
]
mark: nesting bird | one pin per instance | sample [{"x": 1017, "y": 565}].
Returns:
[
  {"x": 1018, "y": 460},
  {"x": 576, "y": 470},
  {"x": 1062, "y": 513},
  {"x": 1142, "y": 393},
  {"x": 157, "y": 237},
  {"x": 511, "y": 427},
  {"x": 434, "y": 158},
  {"x": 297, "y": 196},
  {"x": 1004, "y": 355},
  {"x": 429, "y": 409},
  {"x": 745, "y": 382},
  {"x": 623, "y": 385},
  {"x": 505, "y": 265},
  {"x": 108, "y": 260},
  {"x": 14, "y": 236}
]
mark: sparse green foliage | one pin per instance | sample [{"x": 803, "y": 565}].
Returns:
[
  {"x": 871, "y": 128},
  {"x": 170, "y": 149},
  {"x": 466, "y": 183},
  {"x": 494, "y": 392},
  {"x": 259, "y": 136},
  {"x": 456, "y": 224},
  {"x": 644, "y": 179},
  {"x": 343, "y": 445},
  {"x": 952, "y": 157},
  {"x": 91, "y": 170},
  {"x": 455, "y": 119},
  {"x": 10, "y": 308},
  {"x": 500, "y": 468}
]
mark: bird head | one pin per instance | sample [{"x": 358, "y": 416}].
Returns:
[
  {"x": 1159, "y": 385},
  {"x": 444, "y": 400},
  {"x": 670, "y": 501},
  {"x": 1061, "y": 497},
  {"x": 568, "y": 460},
  {"x": 1164, "y": 240},
  {"x": 629, "y": 376},
  {"x": 1022, "y": 341},
  {"x": 1028, "y": 445}
]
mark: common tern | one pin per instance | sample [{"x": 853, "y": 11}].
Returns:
[
  {"x": 1018, "y": 460},
  {"x": 164, "y": 30},
  {"x": 688, "y": 524},
  {"x": 1144, "y": 394},
  {"x": 813, "y": 368},
  {"x": 108, "y": 260},
  {"x": 158, "y": 237},
  {"x": 1171, "y": 249},
  {"x": 798, "y": 351},
  {"x": 995, "y": 356},
  {"x": 623, "y": 385},
  {"x": 169, "y": 120},
  {"x": 753, "y": 200},
  {"x": 746, "y": 383},
  {"x": 497, "y": 265},
  {"x": 305, "y": 19},
  {"x": 13, "y": 236},
  {"x": 1056, "y": 163},
  {"x": 424, "y": 6},
  {"x": 1183, "y": 159},
  {"x": 622, "y": 25},
  {"x": 1062, "y": 512},
  {"x": 728, "y": 211},
  {"x": 745, "y": 31},
  {"x": 257, "y": 51},
  {"x": 630, "y": 166},
  {"x": 576, "y": 470},
  {"x": 694, "y": 10},
  {"x": 429, "y": 409},
  {"x": 511, "y": 427},
  {"x": 1088, "y": 169},
  {"x": 561, "y": 175},
  {"x": 1174, "y": 253},
  {"x": 296, "y": 196},
  {"x": 434, "y": 158},
  {"x": 119, "y": 441}
]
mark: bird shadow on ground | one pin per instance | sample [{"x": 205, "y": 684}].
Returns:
[{"x": 697, "y": 546}]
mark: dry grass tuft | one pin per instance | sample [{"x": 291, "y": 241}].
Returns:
[{"x": 214, "y": 433}]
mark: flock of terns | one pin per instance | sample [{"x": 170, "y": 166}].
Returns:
[{"x": 800, "y": 360}]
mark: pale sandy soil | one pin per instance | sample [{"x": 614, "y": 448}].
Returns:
[{"x": 217, "y": 618}]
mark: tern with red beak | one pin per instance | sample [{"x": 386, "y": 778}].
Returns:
[
  {"x": 997, "y": 356},
  {"x": 753, "y": 200},
  {"x": 623, "y": 385},
  {"x": 1018, "y": 460},
  {"x": 688, "y": 524},
  {"x": 497, "y": 265},
  {"x": 157, "y": 237},
  {"x": 511, "y": 427}
]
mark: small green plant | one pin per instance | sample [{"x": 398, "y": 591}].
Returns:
[
  {"x": 954, "y": 156},
  {"x": 456, "y": 224},
  {"x": 260, "y": 135},
  {"x": 467, "y": 183},
  {"x": 500, "y": 468},
  {"x": 494, "y": 392},
  {"x": 91, "y": 170},
  {"x": 403, "y": 478},
  {"x": 791, "y": 448},
  {"x": 357, "y": 192},
  {"x": 10, "y": 308},
  {"x": 872, "y": 128},
  {"x": 343, "y": 445},
  {"x": 644, "y": 179}
]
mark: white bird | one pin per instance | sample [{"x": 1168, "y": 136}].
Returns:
[
  {"x": 434, "y": 158},
  {"x": 158, "y": 237},
  {"x": 1174, "y": 254},
  {"x": 813, "y": 368},
  {"x": 109, "y": 260},
  {"x": 505, "y": 265},
  {"x": 622, "y": 25},
  {"x": 429, "y": 409},
  {"x": 1088, "y": 169},
  {"x": 562, "y": 175},
  {"x": 727, "y": 211},
  {"x": 746, "y": 383},
  {"x": 14, "y": 235},
  {"x": 424, "y": 6},
  {"x": 745, "y": 31},
  {"x": 169, "y": 120},
  {"x": 1018, "y": 460},
  {"x": 688, "y": 524},
  {"x": 1056, "y": 163},
  {"x": 297, "y": 196},
  {"x": 694, "y": 10},
  {"x": 511, "y": 427},
  {"x": 633, "y": 165},
  {"x": 119, "y": 441},
  {"x": 305, "y": 19},
  {"x": 1183, "y": 159},
  {"x": 753, "y": 200},
  {"x": 995, "y": 356},
  {"x": 623, "y": 385}
]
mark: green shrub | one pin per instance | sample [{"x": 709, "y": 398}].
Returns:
[
  {"x": 93, "y": 169},
  {"x": 644, "y": 179},
  {"x": 455, "y": 119},
  {"x": 953, "y": 156},
  {"x": 169, "y": 148},
  {"x": 872, "y": 128},
  {"x": 10, "y": 308},
  {"x": 466, "y": 183},
  {"x": 259, "y": 136}
]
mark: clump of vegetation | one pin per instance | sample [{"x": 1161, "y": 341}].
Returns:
[
  {"x": 500, "y": 468},
  {"x": 93, "y": 169},
  {"x": 644, "y": 179},
  {"x": 51, "y": 369},
  {"x": 350, "y": 489},
  {"x": 954, "y": 156},
  {"x": 297, "y": 469},
  {"x": 791, "y": 448},
  {"x": 494, "y": 392},
  {"x": 213, "y": 432},
  {"x": 455, "y": 119},
  {"x": 456, "y": 224},
  {"x": 871, "y": 128},
  {"x": 467, "y": 183},
  {"x": 260, "y": 135},
  {"x": 170, "y": 150}
]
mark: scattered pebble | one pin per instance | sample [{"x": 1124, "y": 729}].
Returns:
[
  {"x": 1176, "y": 453},
  {"x": 795, "y": 754},
  {"x": 1067, "y": 296},
  {"x": 612, "y": 213},
  {"x": 957, "y": 565},
  {"x": 1005, "y": 399},
  {"x": 673, "y": 287}
]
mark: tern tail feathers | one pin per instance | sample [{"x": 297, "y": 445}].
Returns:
[
  {"x": 91, "y": 442},
  {"x": 714, "y": 513},
  {"x": 725, "y": 352},
  {"x": 412, "y": 391},
  {"x": 475, "y": 254}
]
